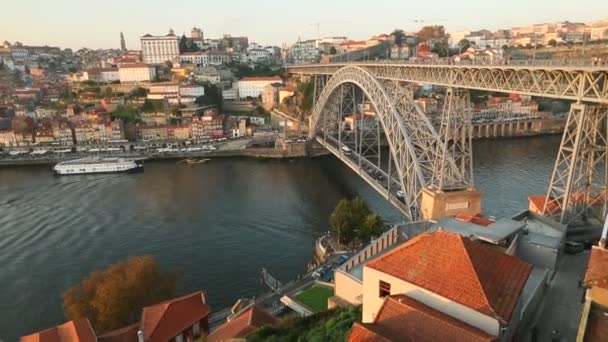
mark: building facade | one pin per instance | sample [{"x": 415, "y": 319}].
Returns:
[
  {"x": 159, "y": 49},
  {"x": 133, "y": 73},
  {"x": 253, "y": 87}
]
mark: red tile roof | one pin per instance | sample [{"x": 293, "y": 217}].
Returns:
[
  {"x": 135, "y": 65},
  {"x": 163, "y": 321},
  {"x": 460, "y": 270},
  {"x": 126, "y": 334},
  {"x": 597, "y": 268},
  {"x": 403, "y": 319},
  {"x": 273, "y": 78},
  {"x": 246, "y": 323},
  {"x": 78, "y": 330},
  {"x": 365, "y": 333},
  {"x": 477, "y": 219}
]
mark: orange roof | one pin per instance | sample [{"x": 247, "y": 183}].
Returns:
[
  {"x": 126, "y": 334},
  {"x": 246, "y": 323},
  {"x": 403, "y": 319},
  {"x": 597, "y": 269},
  {"x": 164, "y": 321},
  {"x": 273, "y": 78},
  {"x": 365, "y": 333},
  {"x": 537, "y": 204},
  {"x": 135, "y": 65},
  {"x": 78, "y": 330},
  {"x": 460, "y": 270}
]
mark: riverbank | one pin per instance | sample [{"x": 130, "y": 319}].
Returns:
[{"x": 257, "y": 153}]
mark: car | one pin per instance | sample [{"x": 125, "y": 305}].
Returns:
[
  {"x": 400, "y": 194},
  {"x": 572, "y": 247},
  {"x": 346, "y": 150}
]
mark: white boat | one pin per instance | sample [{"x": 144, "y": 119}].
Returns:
[{"x": 97, "y": 165}]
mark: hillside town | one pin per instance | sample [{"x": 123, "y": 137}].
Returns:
[{"x": 468, "y": 277}]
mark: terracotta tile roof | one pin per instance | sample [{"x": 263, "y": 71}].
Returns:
[
  {"x": 597, "y": 268},
  {"x": 163, "y": 321},
  {"x": 477, "y": 219},
  {"x": 135, "y": 65},
  {"x": 365, "y": 333},
  {"x": 273, "y": 78},
  {"x": 460, "y": 270},
  {"x": 246, "y": 323},
  {"x": 403, "y": 319},
  {"x": 78, "y": 330},
  {"x": 126, "y": 334}
]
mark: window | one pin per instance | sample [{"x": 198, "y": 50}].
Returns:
[
  {"x": 196, "y": 329},
  {"x": 179, "y": 338},
  {"x": 385, "y": 289}
]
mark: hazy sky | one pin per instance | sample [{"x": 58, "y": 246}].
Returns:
[{"x": 97, "y": 24}]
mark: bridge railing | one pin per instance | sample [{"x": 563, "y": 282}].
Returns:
[{"x": 588, "y": 62}]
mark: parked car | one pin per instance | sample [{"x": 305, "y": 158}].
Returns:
[{"x": 572, "y": 247}]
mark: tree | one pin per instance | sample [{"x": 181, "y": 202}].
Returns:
[
  {"x": 332, "y": 50},
  {"x": 428, "y": 33},
  {"x": 108, "y": 92},
  {"x": 151, "y": 106},
  {"x": 353, "y": 221},
  {"x": 398, "y": 36},
  {"x": 183, "y": 44},
  {"x": 126, "y": 114},
  {"x": 113, "y": 298},
  {"x": 464, "y": 45},
  {"x": 139, "y": 92},
  {"x": 552, "y": 43}
]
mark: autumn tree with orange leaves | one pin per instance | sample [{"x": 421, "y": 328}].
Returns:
[{"x": 113, "y": 298}]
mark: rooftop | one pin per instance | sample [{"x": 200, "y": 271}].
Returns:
[
  {"x": 491, "y": 231},
  {"x": 254, "y": 79},
  {"x": 163, "y": 321},
  {"x": 78, "y": 330},
  {"x": 403, "y": 319},
  {"x": 125, "y": 334},
  {"x": 244, "y": 324},
  {"x": 460, "y": 270},
  {"x": 597, "y": 269}
]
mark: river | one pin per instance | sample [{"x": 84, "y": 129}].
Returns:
[{"x": 217, "y": 224}]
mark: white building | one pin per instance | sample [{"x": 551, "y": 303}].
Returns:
[
  {"x": 161, "y": 91},
  {"x": 19, "y": 54},
  {"x": 159, "y": 49},
  {"x": 191, "y": 90},
  {"x": 197, "y": 57},
  {"x": 254, "y": 86},
  {"x": 137, "y": 72},
  {"x": 103, "y": 75},
  {"x": 259, "y": 55},
  {"x": 305, "y": 52},
  {"x": 230, "y": 94}
]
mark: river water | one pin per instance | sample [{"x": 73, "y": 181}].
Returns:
[{"x": 217, "y": 224}]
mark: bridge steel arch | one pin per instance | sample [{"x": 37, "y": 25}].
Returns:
[{"x": 410, "y": 135}]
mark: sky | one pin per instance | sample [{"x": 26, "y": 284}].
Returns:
[{"x": 97, "y": 24}]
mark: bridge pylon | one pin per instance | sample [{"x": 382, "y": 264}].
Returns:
[
  {"x": 580, "y": 174},
  {"x": 451, "y": 190}
]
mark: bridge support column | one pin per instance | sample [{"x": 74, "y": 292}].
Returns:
[
  {"x": 578, "y": 184},
  {"x": 436, "y": 204}
]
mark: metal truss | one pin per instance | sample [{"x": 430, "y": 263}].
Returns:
[
  {"x": 456, "y": 144},
  {"x": 587, "y": 84},
  {"x": 580, "y": 173},
  {"x": 399, "y": 122}
]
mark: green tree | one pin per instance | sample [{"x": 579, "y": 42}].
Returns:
[
  {"x": 332, "y": 50},
  {"x": 353, "y": 221},
  {"x": 138, "y": 92},
  {"x": 307, "y": 90},
  {"x": 464, "y": 45},
  {"x": 183, "y": 44},
  {"x": 108, "y": 92},
  {"x": 125, "y": 113},
  {"x": 398, "y": 36},
  {"x": 114, "y": 297},
  {"x": 151, "y": 106},
  {"x": 552, "y": 43}
]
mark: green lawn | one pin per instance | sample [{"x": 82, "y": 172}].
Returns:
[{"x": 315, "y": 298}]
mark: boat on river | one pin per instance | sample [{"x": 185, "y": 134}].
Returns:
[
  {"x": 98, "y": 165},
  {"x": 195, "y": 161}
]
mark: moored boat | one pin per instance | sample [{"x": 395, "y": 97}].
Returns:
[{"x": 98, "y": 165}]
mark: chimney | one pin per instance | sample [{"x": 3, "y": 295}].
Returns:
[{"x": 140, "y": 335}]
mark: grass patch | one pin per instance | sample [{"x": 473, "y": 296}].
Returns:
[{"x": 315, "y": 298}]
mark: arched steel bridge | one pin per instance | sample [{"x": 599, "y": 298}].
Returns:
[{"x": 420, "y": 156}]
